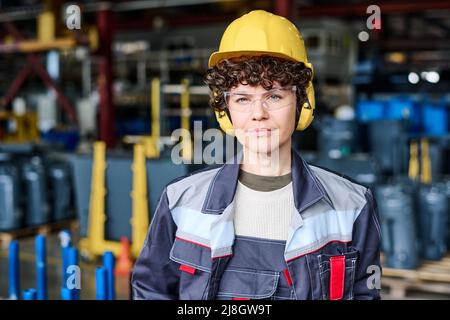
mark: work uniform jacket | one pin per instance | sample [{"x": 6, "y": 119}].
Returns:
[{"x": 192, "y": 252}]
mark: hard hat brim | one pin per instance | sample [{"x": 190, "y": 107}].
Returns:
[{"x": 217, "y": 56}]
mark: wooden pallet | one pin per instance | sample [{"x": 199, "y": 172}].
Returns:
[
  {"x": 7, "y": 236},
  {"x": 430, "y": 277}
]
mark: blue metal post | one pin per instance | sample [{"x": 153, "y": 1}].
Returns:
[
  {"x": 66, "y": 242},
  {"x": 66, "y": 294},
  {"x": 108, "y": 263},
  {"x": 14, "y": 273},
  {"x": 72, "y": 260},
  {"x": 65, "y": 264},
  {"x": 29, "y": 294},
  {"x": 41, "y": 268},
  {"x": 101, "y": 282}
]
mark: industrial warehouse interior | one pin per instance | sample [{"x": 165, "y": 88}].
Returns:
[{"x": 105, "y": 103}]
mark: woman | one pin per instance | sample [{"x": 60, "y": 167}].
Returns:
[{"x": 265, "y": 225}]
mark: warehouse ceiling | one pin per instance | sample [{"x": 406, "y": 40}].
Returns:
[{"x": 415, "y": 34}]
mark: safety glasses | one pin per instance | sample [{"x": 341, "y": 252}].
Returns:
[{"x": 273, "y": 99}]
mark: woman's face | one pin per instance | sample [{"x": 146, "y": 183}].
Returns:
[{"x": 258, "y": 127}]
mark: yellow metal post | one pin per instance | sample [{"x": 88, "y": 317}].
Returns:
[
  {"x": 46, "y": 26},
  {"x": 155, "y": 108},
  {"x": 413, "y": 171},
  {"x": 426, "y": 162},
  {"x": 97, "y": 215},
  {"x": 185, "y": 120},
  {"x": 139, "y": 218},
  {"x": 95, "y": 243},
  {"x": 151, "y": 143}
]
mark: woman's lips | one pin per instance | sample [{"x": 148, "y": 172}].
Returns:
[{"x": 259, "y": 132}]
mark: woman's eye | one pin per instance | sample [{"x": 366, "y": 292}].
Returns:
[
  {"x": 242, "y": 100},
  {"x": 275, "y": 97}
]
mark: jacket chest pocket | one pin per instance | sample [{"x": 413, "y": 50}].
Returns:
[
  {"x": 247, "y": 284},
  {"x": 195, "y": 268},
  {"x": 337, "y": 275}
]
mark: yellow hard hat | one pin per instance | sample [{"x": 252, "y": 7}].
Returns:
[{"x": 262, "y": 33}]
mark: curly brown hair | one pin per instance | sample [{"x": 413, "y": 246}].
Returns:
[{"x": 260, "y": 70}]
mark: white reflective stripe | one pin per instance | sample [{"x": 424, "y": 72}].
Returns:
[
  {"x": 222, "y": 239},
  {"x": 320, "y": 229},
  {"x": 195, "y": 226},
  {"x": 187, "y": 237},
  {"x": 193, "y": 222}
]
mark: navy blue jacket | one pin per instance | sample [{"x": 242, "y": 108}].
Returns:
[{"x": 332, "y": 250}]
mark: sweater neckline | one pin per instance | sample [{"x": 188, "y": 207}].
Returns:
[{"x": 263, "y": 183}]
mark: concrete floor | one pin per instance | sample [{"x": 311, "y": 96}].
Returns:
[
  {"x": 54, "y": 272},
  {"x": 28, "y": 279}
]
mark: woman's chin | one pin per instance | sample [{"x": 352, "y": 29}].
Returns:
[{"x": 263, "y": 148}]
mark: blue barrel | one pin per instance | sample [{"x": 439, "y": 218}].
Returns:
[
  {"x": 10, "y": 212},
  {"x": 60, "y": 190},
  {"x": 447, "y": 192},
  {"x": 385, "y": 139},
  {"x": 370, "y": 110},
  {"x": 360, "y": 167},
  {"x": 398, "y": 225},
  {"x": 119, "y": 181},
  {"x": 37, "y": 211},
  {"x": 337, "y": 138},
  {"x": 404, "y": 108},
  {"x": 433, "y": 217},
  {"x": 435, "y": 119}
]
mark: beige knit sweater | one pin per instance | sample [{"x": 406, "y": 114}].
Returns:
[{"x": 263, "y": 214}]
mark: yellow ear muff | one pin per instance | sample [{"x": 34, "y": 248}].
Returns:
[
  {"x": 224, "y": 122},
  {"x": 307, "y": 112}
]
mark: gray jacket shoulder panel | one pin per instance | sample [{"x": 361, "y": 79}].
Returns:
[
  {"x": 190, "y": 191},
  {"x": 342, "y": 193}
]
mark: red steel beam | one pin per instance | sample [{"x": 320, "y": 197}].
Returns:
[
  {"x": 45, "y": 77},
  {"x": 36, "y": 65},
  {"x": 175, "y": 22},
  {"x": 16, "y": 85},
  {"x": 359, "y": 9},
  {"x": 105, "y": 78},
  {"x": 284, "y": 8}
]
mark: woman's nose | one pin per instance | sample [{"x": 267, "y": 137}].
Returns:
[{"x": 259, "y": 111}]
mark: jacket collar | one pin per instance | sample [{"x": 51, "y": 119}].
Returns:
[{"x": 306, "y": 188}]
